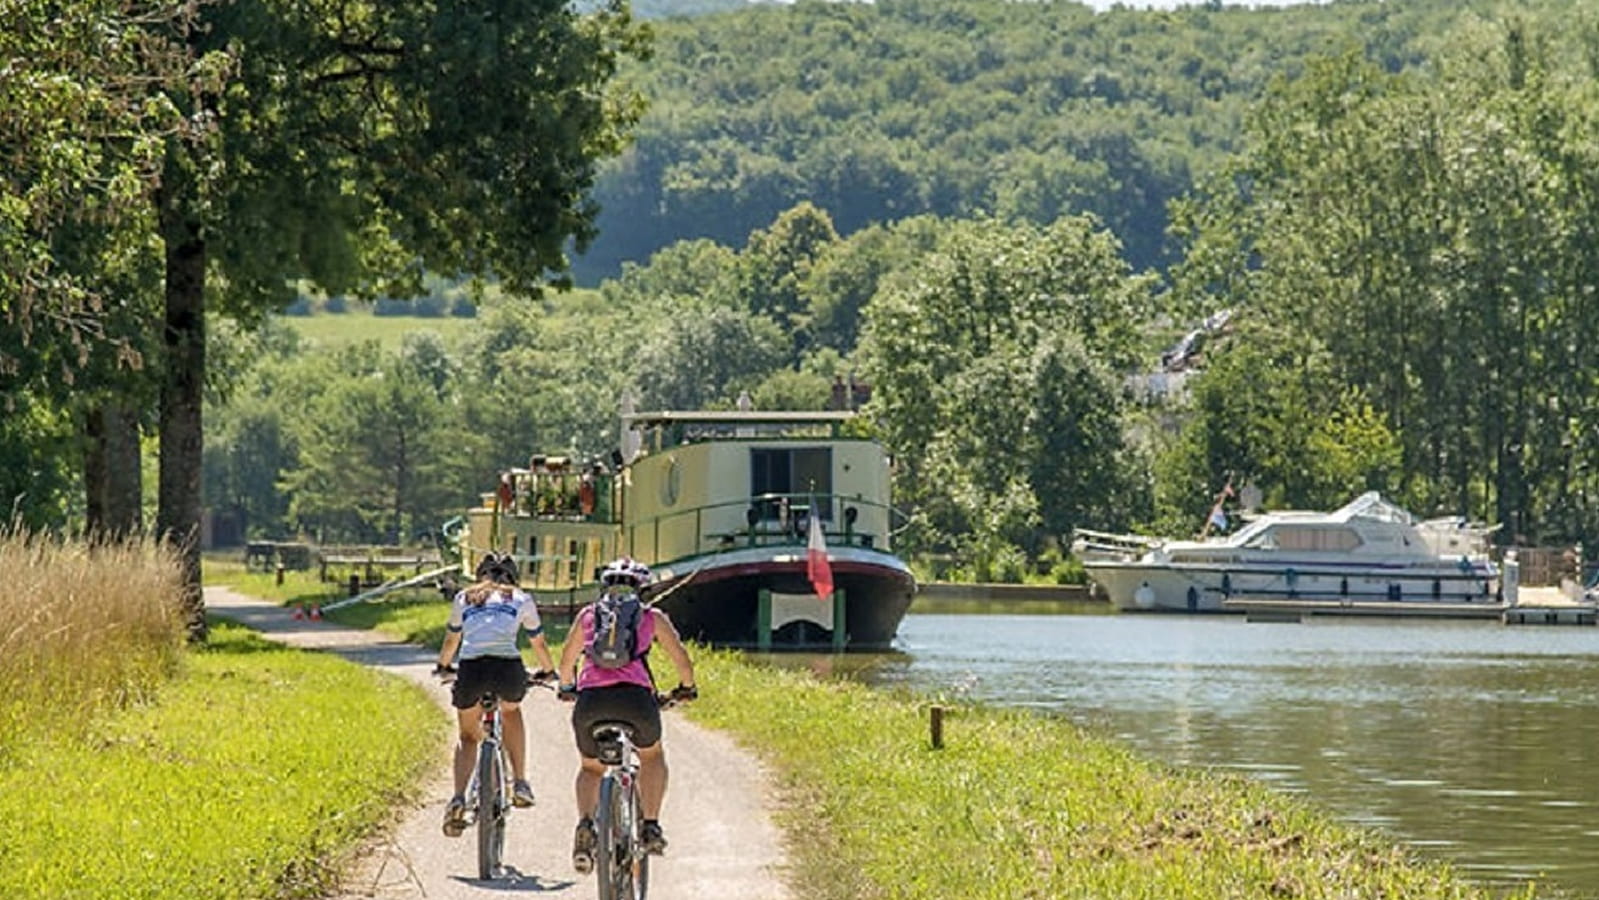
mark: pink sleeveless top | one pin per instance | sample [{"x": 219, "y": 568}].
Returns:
[{"x": 589, "y": 676}]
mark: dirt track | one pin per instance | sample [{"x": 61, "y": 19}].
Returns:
[{"x": 721, "y": 842}]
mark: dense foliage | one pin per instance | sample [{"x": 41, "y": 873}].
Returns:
[
  {"x": 184, "y": 158},
  {"x": 879, "y": 111}
]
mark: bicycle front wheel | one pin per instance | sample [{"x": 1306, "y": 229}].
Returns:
[{"x": 490, "y": 810}]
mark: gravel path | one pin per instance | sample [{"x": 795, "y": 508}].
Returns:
[{"x": 721, "y": 842}]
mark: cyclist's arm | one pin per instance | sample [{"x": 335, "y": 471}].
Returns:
[
  {"x": 452, "y": 643},
  {"x": 541, "y": 651},
  {"x": 452, "y": 630},
  {"x": 534, "y": 626},
  {"x": 666, "y": 635},
  {"x": 566, "y": 669}
]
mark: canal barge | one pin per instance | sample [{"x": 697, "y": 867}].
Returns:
[{"x": 720, "y": 504}]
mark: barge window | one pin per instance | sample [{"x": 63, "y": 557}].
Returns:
[{"x": 795, "y": 471}]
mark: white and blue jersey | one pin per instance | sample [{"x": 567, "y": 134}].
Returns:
[{"x": 490, "y": 629}]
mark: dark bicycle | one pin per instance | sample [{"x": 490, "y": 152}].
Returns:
[{"x": 488, "y": 792}]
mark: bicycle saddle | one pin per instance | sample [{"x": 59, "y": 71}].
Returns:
[{"x": 608, "y": 735}]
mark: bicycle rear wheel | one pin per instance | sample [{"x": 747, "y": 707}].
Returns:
[
  {"x": 490, "y": 810},
  {"x": 613, "y": 861},
  {"x": 640, "y": 857}
]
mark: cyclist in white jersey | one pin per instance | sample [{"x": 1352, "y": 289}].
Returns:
[{"x": 485, "y": 619}]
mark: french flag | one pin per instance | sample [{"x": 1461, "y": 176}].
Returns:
[{"x": 816, "y": 565}]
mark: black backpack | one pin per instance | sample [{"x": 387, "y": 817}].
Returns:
[{"x": 614, "y": 641}]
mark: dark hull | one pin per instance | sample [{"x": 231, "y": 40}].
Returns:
[{"x": 720, "y": 604}]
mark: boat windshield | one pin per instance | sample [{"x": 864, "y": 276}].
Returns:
[
  {"x": 1371, "y": 505},
  {"x": 1249, "y": 532}
]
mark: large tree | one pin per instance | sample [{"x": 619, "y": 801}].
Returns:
[
  {"x": 359, "y": 144},
  {"x": 83, "y": 117},
  {"x": 993, "y": 376}
]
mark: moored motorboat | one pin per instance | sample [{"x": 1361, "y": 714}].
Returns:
[{"x": 1367, "y": 551}]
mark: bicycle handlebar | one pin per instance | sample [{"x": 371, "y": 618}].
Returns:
[{"x": 535, "y": 677}]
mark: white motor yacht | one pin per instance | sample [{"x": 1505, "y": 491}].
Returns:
[{"x": 1369, "y": 550}]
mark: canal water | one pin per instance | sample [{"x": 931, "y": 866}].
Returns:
[{"x": 1469, "y": 741}]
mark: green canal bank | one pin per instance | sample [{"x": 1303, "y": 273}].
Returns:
[{"x": 1013, "y": 805}]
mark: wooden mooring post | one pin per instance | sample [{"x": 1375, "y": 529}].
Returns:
[{"x": 935, "y": 723}]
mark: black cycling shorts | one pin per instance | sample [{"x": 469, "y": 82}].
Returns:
[
  {"x": 506, "y": 676},
  {"x": 630, "y": 703}
]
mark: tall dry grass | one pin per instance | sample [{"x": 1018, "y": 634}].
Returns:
[{"x": 82, "y": 628}]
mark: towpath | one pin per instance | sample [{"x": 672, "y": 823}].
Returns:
[{"x": 721, "y": 842}]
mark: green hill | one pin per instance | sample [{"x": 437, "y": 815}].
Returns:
[{"x": 879, "y": 111}]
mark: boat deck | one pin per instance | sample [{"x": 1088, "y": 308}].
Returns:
[
  {"x": 1274, "y": 607},
  {"x": 1534, "y": 606}
]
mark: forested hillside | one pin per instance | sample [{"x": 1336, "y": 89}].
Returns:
[{"x": 879, "y": 111}]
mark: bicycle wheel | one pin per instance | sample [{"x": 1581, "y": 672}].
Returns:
[
  {"x": 640, "y": 875},
  {"x": 612, "y": 862},
  {"x": 490, "y": 810}
]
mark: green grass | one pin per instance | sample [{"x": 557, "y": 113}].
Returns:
[
  {"x": 358, "y": 324},
  {"x": 335, "y": 330},
  {"x": 297, "y": 586},
  {"x": 1017, "y": 805},
  {"x": 247, "y": 776}
]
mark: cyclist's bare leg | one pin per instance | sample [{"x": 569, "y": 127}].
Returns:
[
  {"x": 652, "y": 779},
  {"x": 515, "y": 737},
  {"x": 588, "y": 786},
  {"x": 471, "y": 724}
]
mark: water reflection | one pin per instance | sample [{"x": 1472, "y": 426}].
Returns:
[{"x": 1468, "y": 740}]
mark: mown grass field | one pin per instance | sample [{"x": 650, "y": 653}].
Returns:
[
  {"x": 335, "y": 330},
  {"x": 357, "y": 324},
  {"x": 1015, "y": 805},
  {"x": 133, "y": 765}
]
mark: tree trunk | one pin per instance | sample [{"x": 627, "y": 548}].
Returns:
[
  {"x": 112, "y": 471},
  {"x": 182, "y": 385}
]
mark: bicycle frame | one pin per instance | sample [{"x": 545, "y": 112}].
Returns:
[{"x": 621, "y": 864}]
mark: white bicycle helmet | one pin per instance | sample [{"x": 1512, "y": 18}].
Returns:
[{"x": 622, "y": 570}]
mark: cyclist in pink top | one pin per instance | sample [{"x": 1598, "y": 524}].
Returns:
[{"x": 620, "y": 690}]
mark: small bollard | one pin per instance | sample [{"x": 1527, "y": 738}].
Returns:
[
  {"x": 280, "y": 573},
  {"x": 935, "y": 721},
  {"x": 355, "y": 584}
]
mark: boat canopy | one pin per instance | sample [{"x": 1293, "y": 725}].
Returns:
[{"x": 668, "y": 428}]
